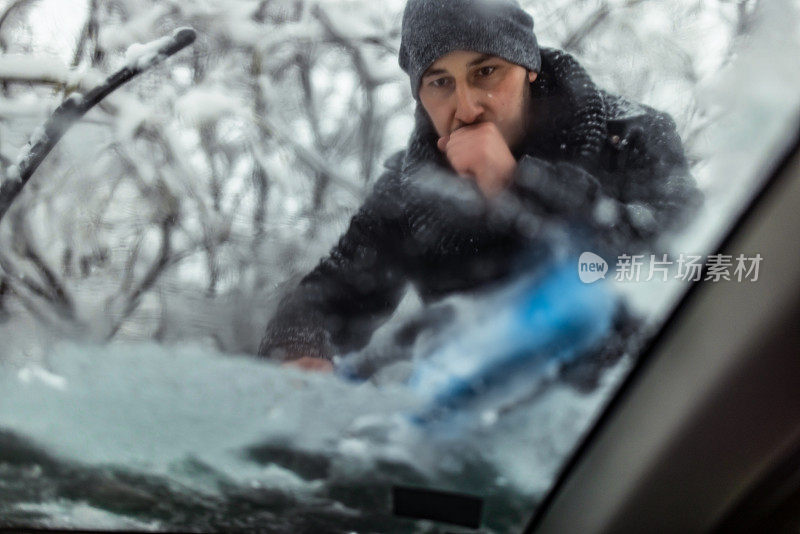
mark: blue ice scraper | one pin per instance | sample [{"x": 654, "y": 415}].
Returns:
[{"x": 500, "y": 350}]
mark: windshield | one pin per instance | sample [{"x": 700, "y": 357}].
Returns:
[{"x": 269, "y": 283}]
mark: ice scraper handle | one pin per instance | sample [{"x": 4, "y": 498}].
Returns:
[
  {"x": 498, "y": 355},
  {"x": 76, "y": 106}
]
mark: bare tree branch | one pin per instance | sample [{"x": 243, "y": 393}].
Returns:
[
  {"x": 54, "y": 289},
  {"x": 370, "y": 140},
  {"x": 14, "y": 6},
  {"x": 162, "y": 261},
  {"x": 89, "y": 36},
  {"x": 575, "y": 39}
]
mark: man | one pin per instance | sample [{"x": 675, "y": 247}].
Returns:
[{"x": 523, "y": 145}]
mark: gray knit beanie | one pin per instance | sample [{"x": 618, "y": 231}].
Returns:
[{"x": 433, "y": 28}]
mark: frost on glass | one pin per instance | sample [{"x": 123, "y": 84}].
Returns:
[{"x": 140, "y": 266}]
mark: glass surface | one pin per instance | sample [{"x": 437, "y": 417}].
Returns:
[{"x": 142, "y": 263}]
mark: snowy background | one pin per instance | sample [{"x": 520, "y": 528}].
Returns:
[
  {"x": 171, "y": 218},
  {"x": 178, "y": 208}
]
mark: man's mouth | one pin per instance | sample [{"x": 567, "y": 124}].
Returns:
[{"x": 466, "y": 125}]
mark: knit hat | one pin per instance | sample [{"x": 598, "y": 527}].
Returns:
[{"x": 433, "y": 28}]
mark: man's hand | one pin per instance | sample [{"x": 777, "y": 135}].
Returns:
[
  {"x": 479, "y": 152},
  {"x": 308, "y": 363}
]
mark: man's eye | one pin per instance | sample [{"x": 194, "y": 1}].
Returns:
[
  {"x": 486, "y": 71},
  {"x": 439, "y": 83}
]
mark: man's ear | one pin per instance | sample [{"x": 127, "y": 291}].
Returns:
[{"x": 532, "y": 75}]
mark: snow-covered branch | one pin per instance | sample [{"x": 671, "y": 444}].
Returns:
[{"x": 259, "y": 144}]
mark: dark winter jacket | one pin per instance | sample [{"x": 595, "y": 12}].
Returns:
[{"x": 594, "y": 168}]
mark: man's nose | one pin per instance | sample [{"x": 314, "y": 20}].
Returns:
[{"x": 468, "y": 108}]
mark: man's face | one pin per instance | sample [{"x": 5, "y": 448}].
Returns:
[{"x": 464, "y": 87}]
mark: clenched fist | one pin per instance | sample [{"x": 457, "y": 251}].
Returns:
[{"x": 479, "y": 152}]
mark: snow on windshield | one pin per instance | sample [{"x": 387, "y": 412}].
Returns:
[{"x": 141, "y": 265}]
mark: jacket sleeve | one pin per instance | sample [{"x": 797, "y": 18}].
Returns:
[
  {"x": 337, "y": 306},
  {"x": 640, "y": 188}
]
